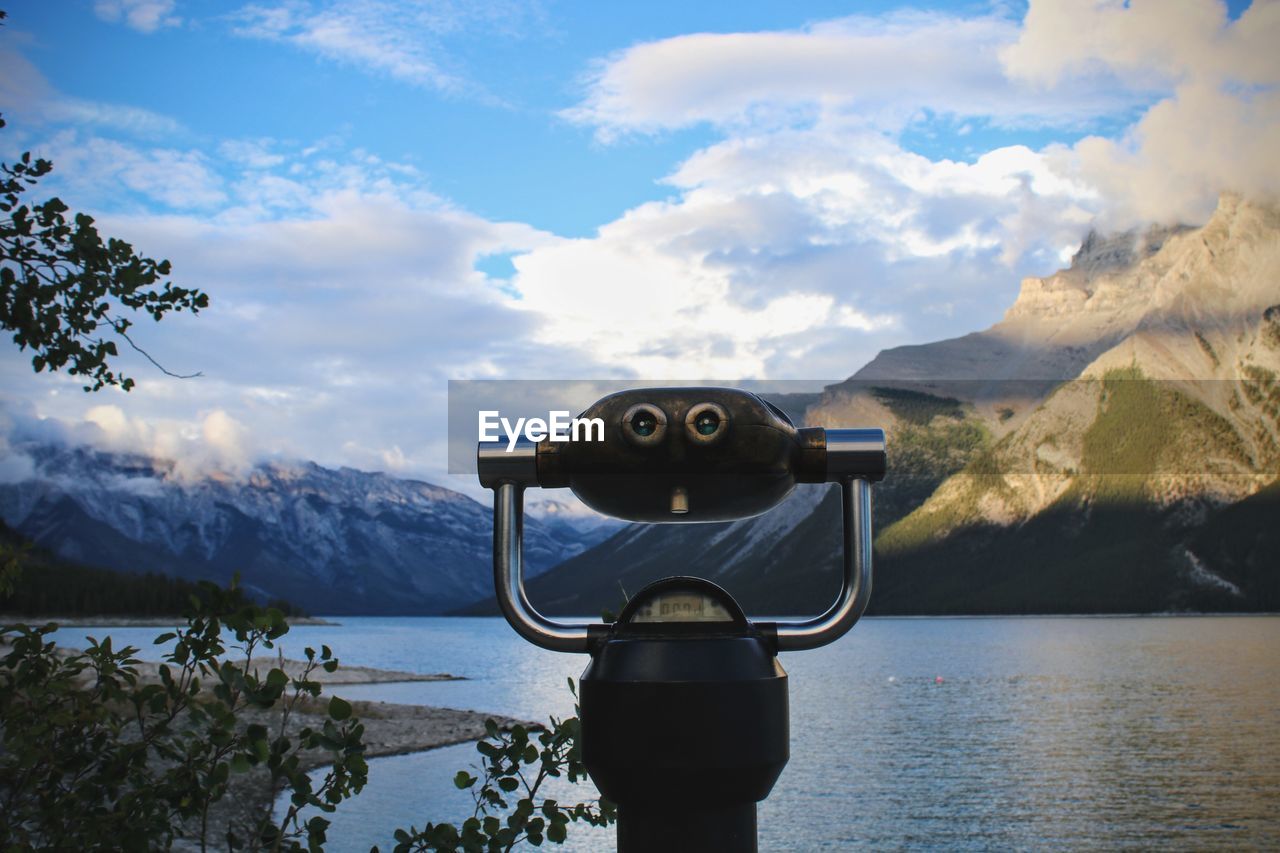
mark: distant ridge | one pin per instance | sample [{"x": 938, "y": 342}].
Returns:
[
  {"x": 332, "y": 541},
  {"x": 45, "y": 587}
]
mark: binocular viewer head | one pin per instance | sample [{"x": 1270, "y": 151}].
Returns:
[
  {"x": 683, "y": 454},
  {"x": 686, "y": 454}
]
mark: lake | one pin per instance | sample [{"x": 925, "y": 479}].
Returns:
[{"x": 915, "y": 733}]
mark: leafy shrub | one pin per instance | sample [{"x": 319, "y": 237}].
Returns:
[
  {"x": 93, "y": 755},
  {"x": 545, "y": 752},
  {"x": 96, "y": 756}
]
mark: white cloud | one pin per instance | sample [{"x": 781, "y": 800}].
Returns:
[
  {"x": 132, "y": 120},
  {"x": 650, "y": 309},
  {"x": 15, "y": 466},
  {"x": 25, "y": 90},
  {"x": 1188, "y": 149},
  {"x": 1217, "y": 130},
  {"x": 100, "y": 166},
  {"x": 228, "y": 441},
  {"x": 118, "y": 432},
  {"x": 798, "y": 253},
  {"x": 252, "y": 153},
  {"x": 333, "y": 327},
  {"x": 1145, "y": 42},
  {"x": 879, "y": 71},
  {"x": 398, "y": 39},
  {"x": 810, "y": 236},
  {"x": 353, "y": 33},
  {"x": 146, "y": 16},
  {"x": 1204, "y": 90},
  {"x": 21, "y": 84},
  {"x": 210, "y": 442}
]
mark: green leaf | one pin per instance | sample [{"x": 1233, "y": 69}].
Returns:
[{"x": 339, "y": 709}]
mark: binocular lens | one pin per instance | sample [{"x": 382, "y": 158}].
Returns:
[
  {"x": 706, "y": 423},
  {"x": 644, "y": 425}
]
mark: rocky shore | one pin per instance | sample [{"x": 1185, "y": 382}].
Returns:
[
  {"x": 344, "y": 674},
  {"x": 390, "y": 729}
]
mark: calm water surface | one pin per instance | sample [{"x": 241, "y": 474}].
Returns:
[{"x": 916, "y": 733}]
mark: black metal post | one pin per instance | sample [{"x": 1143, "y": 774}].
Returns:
[
  {"x": 644, "y": 827},
  {"x": 685, "y": 726}
]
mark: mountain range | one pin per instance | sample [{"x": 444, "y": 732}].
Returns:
[
  {"x": 1112, "y": 445},
  {"x": 330, "y": 541}
]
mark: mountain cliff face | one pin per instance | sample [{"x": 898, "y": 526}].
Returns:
[
  {"x": 1112, "y": 445},
  {"x": 341, "y": 541},
  {"x": 1182, "y": 407}
]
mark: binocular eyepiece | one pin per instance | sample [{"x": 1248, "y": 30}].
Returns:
[{"x": 687, "y": 454}]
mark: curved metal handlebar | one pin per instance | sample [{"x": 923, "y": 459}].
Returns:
[
  {"x": 508, "y": 473},
  {"x": 508, "y": 578},
  {"x": 855, "y": 586}
]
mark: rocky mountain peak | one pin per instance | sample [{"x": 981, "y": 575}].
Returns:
[
  {"x": 1100, "y": 254},
  {"x": 1099, "y": 279},
  {"x": 1117, "y": 280}
]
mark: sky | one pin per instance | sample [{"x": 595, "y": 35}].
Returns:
[{"x": 380, "y": 196}]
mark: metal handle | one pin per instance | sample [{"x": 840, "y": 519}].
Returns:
[
  {"x": 853, "y": 456},
  {"x": 855, "y": 587},
  {"x": 843, "y": 614},
  {"x": 508, "y": 577}
]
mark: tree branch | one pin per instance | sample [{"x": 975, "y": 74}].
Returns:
[{"x": 115, "y": 324}]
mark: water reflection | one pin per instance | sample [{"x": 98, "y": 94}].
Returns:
[
  {"x": 952, "y": 733},
  {"x": 1081, "y": 732}
]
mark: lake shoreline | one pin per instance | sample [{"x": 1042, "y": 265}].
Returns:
[
  {"x": 389, "y": 729},
  {"x": 130, "y": 621}
]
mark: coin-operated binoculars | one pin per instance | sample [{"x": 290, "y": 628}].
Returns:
[{"x": 684, "y": 705}]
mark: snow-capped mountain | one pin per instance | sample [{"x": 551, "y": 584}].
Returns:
[
  {"x": 331, "y": 541},
  {"x": 572, "y": 522}
]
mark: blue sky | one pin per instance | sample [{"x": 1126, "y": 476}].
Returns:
[
  {"x": 489, "y": 137},
  {"x": 381, "y": 195}
]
